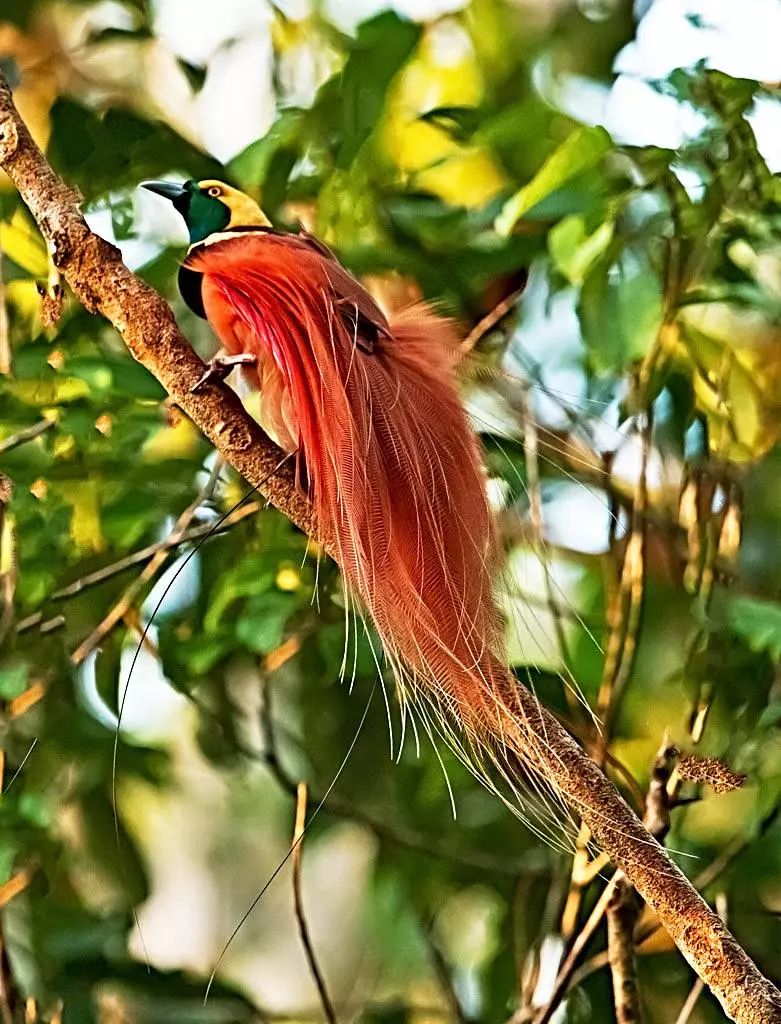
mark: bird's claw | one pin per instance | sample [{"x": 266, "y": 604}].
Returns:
[{"x": 219, "y": 368}]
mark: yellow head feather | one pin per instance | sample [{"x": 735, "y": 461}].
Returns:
[{"x": 245, "y": 212}]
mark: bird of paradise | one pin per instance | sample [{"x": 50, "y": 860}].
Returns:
[{"x": 368, "y": 406}]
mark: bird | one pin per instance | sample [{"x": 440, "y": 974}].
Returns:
[{"x": 369, "y": 407}]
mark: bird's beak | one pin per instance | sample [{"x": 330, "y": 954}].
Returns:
[{"x": 168, "y": 189}]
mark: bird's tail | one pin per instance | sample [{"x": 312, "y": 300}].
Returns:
[{"x": 402, "y": 487}]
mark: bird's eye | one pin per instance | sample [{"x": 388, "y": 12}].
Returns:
[{"x": 214, "y": 191}]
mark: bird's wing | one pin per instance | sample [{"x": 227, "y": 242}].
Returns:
[{"x": 360, "y": 314}]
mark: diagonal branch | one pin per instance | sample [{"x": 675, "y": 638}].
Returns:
[
  {"x": 94, "y": 270},
  {"x": 156, "y": 562},
  {"x": 103, "y": 284}
]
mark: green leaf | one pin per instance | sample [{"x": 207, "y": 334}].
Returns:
[
  {"x": 275, "y": 187},
  {"x": 199, "y": 655},
  {"x": 252, "y": 166},
  {"x": 771, "y": 716},
  {"x": 382, "y": 46},
  {"x": 582, "y": 150},
  {"x": 249, "y": 578},
  {"x": 101, "y": 154},
  {"x": 261, "y": 625},
  {"x": 107, "y": 668},
  {"x": 573, "y": 251},
  {"x": 13, "y": 681},
  {"x": 134, "y": 380},
  {"x": 34, "y": 585},
  {"x": 123, "y": 376},
  {"x": 620, "y": 311},
  {"x": 758, "y": 623}
]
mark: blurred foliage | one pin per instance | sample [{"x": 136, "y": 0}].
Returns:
[{"x": 429, "y": 155}]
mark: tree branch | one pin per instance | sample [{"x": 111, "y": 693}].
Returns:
[
  {"x": 622, "y": 911},
  {"x": 94, "y": 270},
  {"x": 581, "y": 941},
  {"x": 28, "y": 434},
  {"x": 103, "y": 284}
]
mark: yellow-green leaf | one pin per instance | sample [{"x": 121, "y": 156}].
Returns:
[
  {"x": 573, "y": 251},
  {"x": 581, "y": 150},
  {"x": 22, "y": 244},
  {"x": 85, "y": 525}
]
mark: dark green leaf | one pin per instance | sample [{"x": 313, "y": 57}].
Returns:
[
  {"x": 584, "y": 148},
  {"x": 13, "y": 681},
  {"x": 620, "y": 310},
  {"x": 758, "y": 623},
  {"x": 381, "y": 48},
  {"x": 261, "y": 625},
  {"x": 104, "y": 153}
]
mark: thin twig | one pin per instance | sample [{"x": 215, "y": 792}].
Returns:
[
  {"x": 25, "y": 435},
  {"x": 626, "y": 606},
  {"x": 7, "y": 991},
  {"x": 128, "y": 597},
  {"x": 8, "y": 578},
  {"x": 173, "y": 540},
  {"x": 490, "y": 320},
  {"x": 534, "y": 490},
  {"x": 703, "y": 698},
  {"x": 6, "y": 1009},
  {"x": 622, "y": 913},
  {"x": 581, "y": 941},
  {"x": 623, "y": 616},
  {"x": 15, "y": 885},
  {"x": 444, "y": 977},
  {"x": 303, "y": 927},
  {"x": 41, "y": 622},
  {"x": 624, "y": 909},
  {"x": 584, "y": 870},
  {"x": 18, "y": 706},
  {"x": 691, "y": 1001}
]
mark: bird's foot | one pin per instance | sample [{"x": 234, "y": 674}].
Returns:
[{"x": 219, "y": 368}]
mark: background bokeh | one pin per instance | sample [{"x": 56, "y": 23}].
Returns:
[{"x": 591, "y": 189}]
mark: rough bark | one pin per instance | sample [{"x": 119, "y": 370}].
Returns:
[
  {"x": 94, "y": 270},
  {"x": 622, "y": 915}
]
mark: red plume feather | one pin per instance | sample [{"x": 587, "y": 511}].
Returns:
[{"x": 394, "y": 470}]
